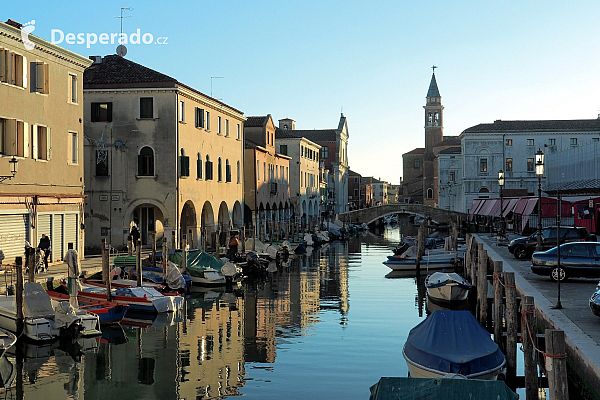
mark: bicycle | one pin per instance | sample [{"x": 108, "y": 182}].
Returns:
[{"x": 38, "y": 263}]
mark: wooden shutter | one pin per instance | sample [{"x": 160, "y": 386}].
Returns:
[
  {"x": 109, "y": 112},
  {"x": 33, "y": 76},
  {"x": 34, "y": 142},
  {"x": 24, "y": 70}
]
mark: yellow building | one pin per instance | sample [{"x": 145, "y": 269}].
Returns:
[
  {"x": 41, "y": 137},
  {"x": 160, "y": 155}
]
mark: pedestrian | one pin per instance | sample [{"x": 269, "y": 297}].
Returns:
[
  {"x": 135, "y": 235},
  {"x": 46, "y": 247},
  {"x": 27, "y": 253},
  {"x": 233, "y": 246}
]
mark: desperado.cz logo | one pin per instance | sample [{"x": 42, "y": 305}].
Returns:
[{"x": 58, "y": 36}]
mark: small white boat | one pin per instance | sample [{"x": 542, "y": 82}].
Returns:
[{"x": 447, "y": 287}]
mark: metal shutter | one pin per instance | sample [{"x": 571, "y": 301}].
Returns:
[
  {"x": 43, "y": 227},
  {"x": 14, "y": 231},
  {"x": 71, "y": 229},
  {"x": 57, "y": 237}
]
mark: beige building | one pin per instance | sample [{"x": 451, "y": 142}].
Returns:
[
  {"x": 266, "y": 179},
  {"x": 161, "y": 155},
  {"x": 304, "y": 175},
  {"x": 41, "y": 137}
]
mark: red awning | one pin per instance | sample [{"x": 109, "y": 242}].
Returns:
[
  {"x": 474, "y": 207},
  {"x": 527, "y": 212},
  {"x": 521, "y": 204},
  {"x": 495, "y": 212},
  {"x": 509, "y": 206},
  {"x": 486, "y": 209}
]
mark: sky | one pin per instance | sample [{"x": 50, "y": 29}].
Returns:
[{"x": 311, "y": 60}]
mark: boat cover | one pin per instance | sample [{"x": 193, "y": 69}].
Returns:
[
  {"x": 453, "y": 341},
  {"x": 396, "y": 388},
  {"x": 197, "y": 261},
  {"x": 36, "y": 302}
]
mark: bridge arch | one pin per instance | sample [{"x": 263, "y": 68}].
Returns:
[{"x": 371, "y": 214}]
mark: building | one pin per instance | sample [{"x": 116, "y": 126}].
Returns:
[
  {"x": 142, "y": 129},
  {"x": 41, "y": 138},
  {"x": 355, "y": 196},
  {"x": 412, "y": 182},
  {"x": 266, "y": 178},
  {"x": 334, "y": 155},
  {"x": 304, "y": 176}
]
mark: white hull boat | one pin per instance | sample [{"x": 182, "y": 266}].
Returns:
[{"x": 447, "y": 287}]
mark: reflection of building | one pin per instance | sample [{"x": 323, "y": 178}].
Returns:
[
  {"x": 158, "y": 150},
  {"x": 41, "y": 112}
]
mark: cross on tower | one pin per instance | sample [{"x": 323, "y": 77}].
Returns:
[{"x": 433, "y": 68}]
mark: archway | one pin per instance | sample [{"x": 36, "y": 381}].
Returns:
[
  {"x": 188, "y": 226},
  {"x": 224, "y": 223},
  {"x": 237, "y": 216},
  {"x": 207, "y": 227}
]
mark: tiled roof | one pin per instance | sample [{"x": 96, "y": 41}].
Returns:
[
  {"x": 116, "y": 69},
  {"x": 543, "y": 125},
  {"x": 249, "y": 145},
  {"x": 417, "y": 151},
  {"x": 284, "y": 134},
  {"x": 449, "y": 141},
  {"x": 317, "y": 135},
  {"x": 253, "y": 122},
  {"x": 451, "y": 150},
  {"x": 584, "y": 187}
]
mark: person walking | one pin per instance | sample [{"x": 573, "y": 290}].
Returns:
[
  {"x": 46, "y": 247},
  {"x": 135, "y": 235},
  {"x": 233, "y": 246}
]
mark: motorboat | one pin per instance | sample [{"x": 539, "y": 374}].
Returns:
[
  {"x": 432, "y": 259},
  {"x": 447, "y": 287},
  {"x": 108, "y": 312},
  {"x": 203, "y": 268},
  {"x": 452, "y": 342}
]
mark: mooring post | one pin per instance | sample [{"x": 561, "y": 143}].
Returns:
[
  {"x": 154, "y": 249},
  {"x": 467, "y": 261},
  {"x": 106, "y": 269},
  {"x": 19, "y": 294},
  {"x": 498, "y": 302},
  {"x": 512, "y": 324},
  {"x": 129, "y": 247},
  {"x": 31, "y": 264},
  {"x": 420, "y": 246},
  {"x": 138, "y": 262},
  {"x": 556, "y": 364},
  {"x": 482, "y": 284},
  {"x": 528, "y": 335},
  {"x": 184, "y": 259},
  {"x": 164, "y": 259}
]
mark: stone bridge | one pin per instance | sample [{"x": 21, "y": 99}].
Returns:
[{"x": 371, "y": 214}]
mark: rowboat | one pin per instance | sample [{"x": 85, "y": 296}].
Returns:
[
  {"x": 452, "y": 342},
  {"x": 447, "y": 287},
  {"x": 108, "y": 312}
]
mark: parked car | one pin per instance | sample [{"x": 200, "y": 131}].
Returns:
[
  {"x": 524, "y": 247},
  {"x": 577, "y": 259},
  {"x": 595, "y": 301}
]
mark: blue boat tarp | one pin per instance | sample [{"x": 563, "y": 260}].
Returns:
[
  {"x": 393, "y": 388},
  {"x": 453, "y": 341}
]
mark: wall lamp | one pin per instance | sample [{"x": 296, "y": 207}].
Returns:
[{"x": 13, "y": 169}]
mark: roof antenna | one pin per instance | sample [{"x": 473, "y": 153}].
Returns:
[{"x": 121, "y": 49}]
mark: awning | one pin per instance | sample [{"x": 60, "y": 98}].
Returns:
[
  {"x": 509, "y": 205},
  {"x": 520, "y": 206},
  {"x": 487, "y": 208},
  {"x": 528, "y": 209},
  {"x": 474, "y": 207},
  {"x": 495, "y": 212}
]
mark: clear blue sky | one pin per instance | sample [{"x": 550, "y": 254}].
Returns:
[{"x": 308, "y": 60}]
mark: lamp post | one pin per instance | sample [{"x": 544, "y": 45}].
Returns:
[
  {"x": 539, "y": 171},
  {"x": 501, "y": 184},
  {"x": 13, "y": 169},
  {"x": 558, "y": 268}
]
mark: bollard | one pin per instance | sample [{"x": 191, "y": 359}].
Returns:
[
  {"x": 482, "y": 259},
  {"x": 556, "y": 364},
  {"x": 498, "y": 302},
  {"x": 512, "y": 325},
  {"x": 528, "y": 335}
]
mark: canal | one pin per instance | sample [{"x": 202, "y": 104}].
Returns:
[{"x": 326, "y": 326}]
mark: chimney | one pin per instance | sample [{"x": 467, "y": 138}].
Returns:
[
  {"x": 96, "y": 59},
  {"x": 14, "y": 24}
]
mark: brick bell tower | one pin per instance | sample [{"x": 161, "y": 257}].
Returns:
[{"x": 434, "y": 134}]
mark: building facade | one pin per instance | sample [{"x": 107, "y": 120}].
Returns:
[
  {"x": 355, "y": 196},
  {"x": 160, "y": 155},
  {"x": 266, "y": 178},
  {"x": 41, "y": 137}
]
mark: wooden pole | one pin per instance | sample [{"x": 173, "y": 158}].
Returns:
[
  {"x": 154, "y": 249},
  {"x": 164, "y": 259},
  {"x": 184, "y": 252},
  {"x": 31, "y": 264},
  {"x": 475, "y": 261},
  {"x": 138, "y": 262},
  {"x": 512, "y": 324},
  {"x": 556, "y": 364},
  {"x": 498, "y": 302},
  {"x": 420, "y": 247},
  {"x": 482, "y": 285},
  {"x": 19, "y": 294},
  {"x": 129, "y": 247},
  {"x": 106, "y": 269},
  {"x": 528, "y": 334}
]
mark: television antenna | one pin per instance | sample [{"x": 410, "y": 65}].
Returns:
[{"x": 121, "y": 49}]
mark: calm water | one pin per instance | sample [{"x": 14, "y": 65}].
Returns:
[{"x": 326, "y": 327}]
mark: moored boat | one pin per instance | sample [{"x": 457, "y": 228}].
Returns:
[
  {"x": 452, "y": 342},
  {"x": 108, "y": 312},
  {"x": 447, "y": 287}
]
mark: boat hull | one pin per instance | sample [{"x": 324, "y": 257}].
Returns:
[
  {"x": 418, "y": 371},
  {"x": 411, "y": 265},
  {"x": 447, "y": 287}
]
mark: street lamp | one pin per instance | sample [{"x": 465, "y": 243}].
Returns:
[
  {"x": 558, "y": 305},
  {"x": 539, "y": 171},
  {"x": 501, "y": 184},
  {"x": 13, "y": 169}
]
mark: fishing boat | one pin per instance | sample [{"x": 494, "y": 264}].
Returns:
[
  {"x": 175, "y": 280},
  {"x": 108, "y": 312},
  {"x": 407, "y": 261},
  {"x": 203, "y": 268},
  {"x": 452, "y": 342},
  {"x": 144, "y": 299},
  {"x": 447, "y": 287}
]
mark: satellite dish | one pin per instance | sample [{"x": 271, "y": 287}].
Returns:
[{"x": 121, "y": 50}]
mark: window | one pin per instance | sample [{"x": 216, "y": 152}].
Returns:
[
  {"x": 101, "y": 162},
  {"x": 146, "y": 161},
  {"x": 264, "y": 171},
  {"x": 227, "y": 171},
  {"x": 219, "y": 130},
  {"x": 12, "y": 137},
  {"x": 573, "y": 141},
  {"x": 181, "y": 111},
  {"x": 101, "y": 112},
  {"x": 417, "y": 163},
  {"x": 483, "y": 165},
  {"x": 208, "y": 169},
  {"x": 226, "y": 128},
  {"x": 258, "y": 170},
  {"x": 452, "y": 176},
  {"x": 184, "y": 164},
  {"x": 73, "y": 88},
  {"x": 238, "y": 172},
  {"x": 220, "y": 170},
  {"x": 283, "y": 149},
  {"x": 509, "y": 142},
  {"x": 301, "y": 151},
  {"x": 11, "y": 68},
  {"x": 509, "y": 165},
  {"x": 595, "y": 139},
  {"x": 73, "y": 148},
  {"x": 239, "y": 136},
  {"x": 199, "y": 166},
  {"x": 208, "y": 120},
  {"x": 530, "y": 142},
  {"x": 530, "y": 164},
  {"x": 146, "y": 107},
  {"x": 40, "y": 142},
  {"x": 199, "y": 113},
  {"x": 324, "y": 152},
  {"x": 38, "y": 77},
  {"x": 552, "y": 142}
]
